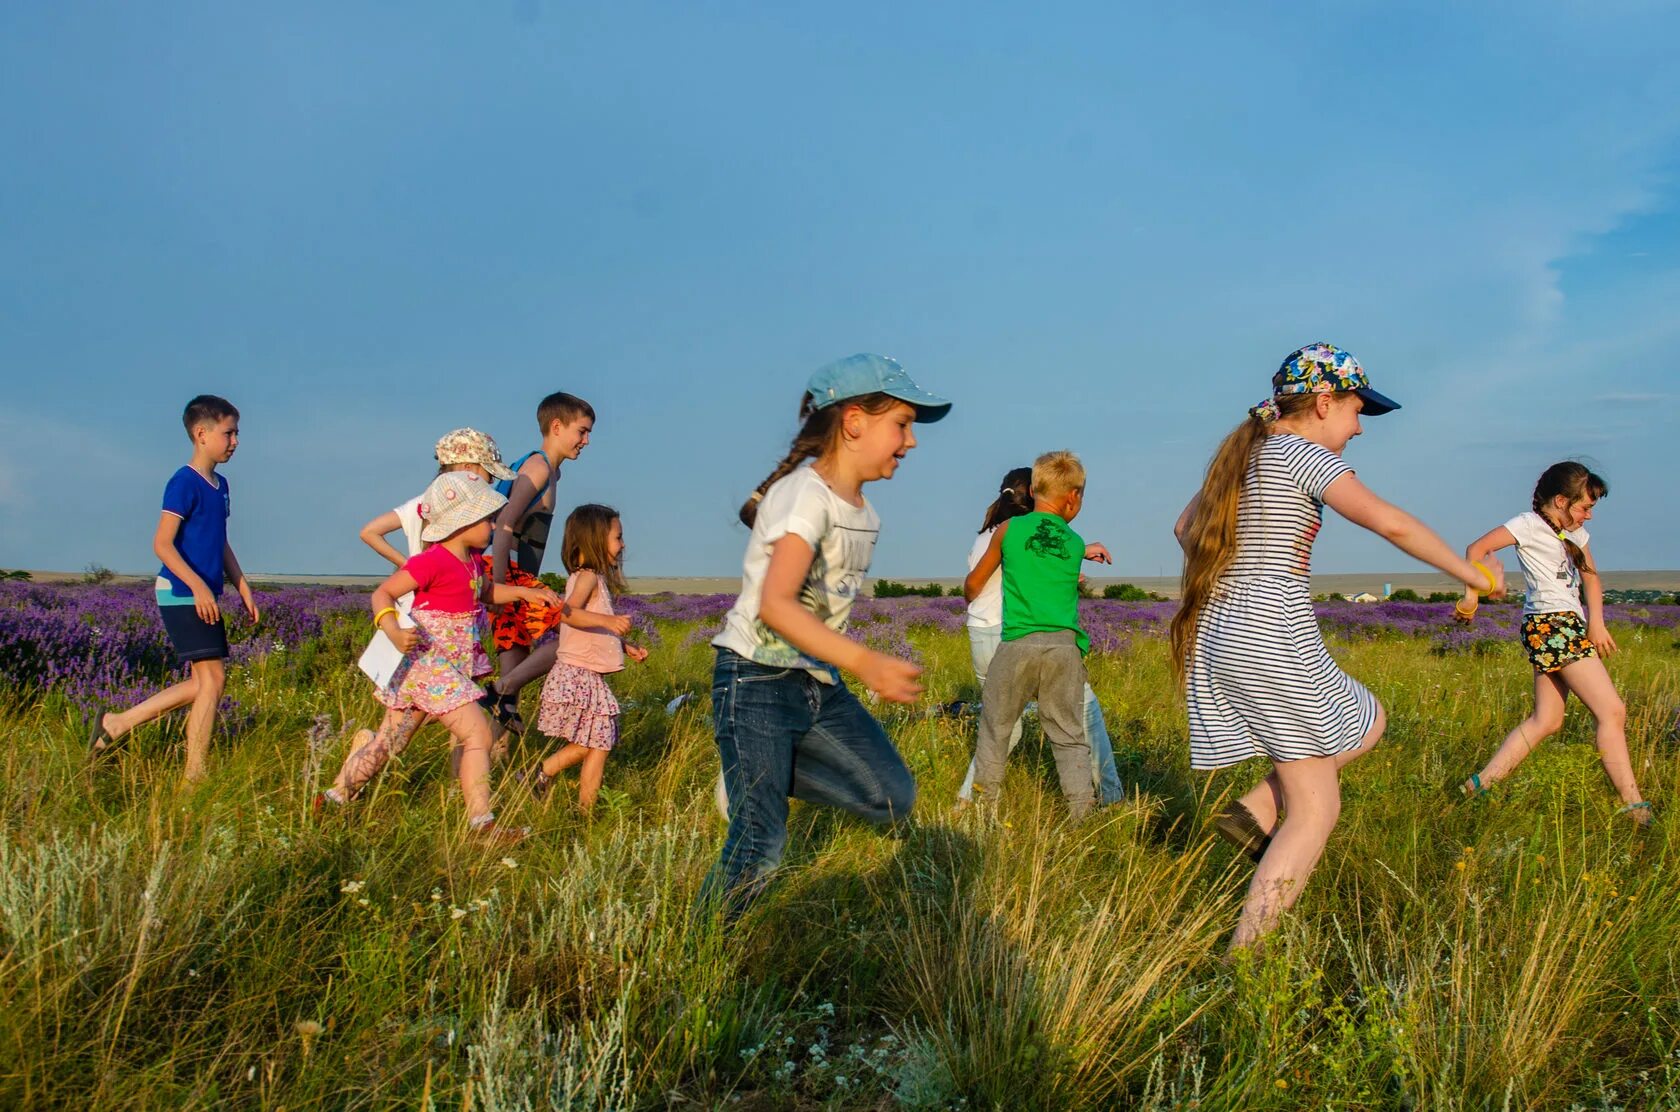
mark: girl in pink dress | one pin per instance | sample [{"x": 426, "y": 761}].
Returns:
[
  {"x": 577, "y": 705},
  {"x": 443, "y": 651}
]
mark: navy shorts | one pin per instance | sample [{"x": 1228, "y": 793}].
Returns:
[{"x": 192, "y": 637}]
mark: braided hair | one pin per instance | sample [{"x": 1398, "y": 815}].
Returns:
[
  {"x": 1575, "y": 482},
  {"x": 819, "y": 432}
]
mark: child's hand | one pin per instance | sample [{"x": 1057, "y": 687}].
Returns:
[
  {"x": 1098, "y": 553},
  {"x": 1599, "y": 634},
  {"x": 209, "y": 611},
  {"x": 404, "y": 638},
  {"x": 544, "y": 595},
  {"x": 616, "y": 624},
  {"x": 636, "y": 653},
  {"x": 250, "y": 602},
  {"x": 895, "y": 680}
]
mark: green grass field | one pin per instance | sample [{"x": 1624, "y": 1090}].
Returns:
[{"x": 168, "y": 948}]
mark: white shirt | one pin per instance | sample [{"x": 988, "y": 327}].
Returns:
[
  {"x": 987, "y": 608},
  {"x": 842, "y": 539},
  {"x": 1554, "y": 585},
  {"x": 409, "y": 515}
]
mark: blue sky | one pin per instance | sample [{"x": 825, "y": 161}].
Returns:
[{"x": 368, "y": 224}]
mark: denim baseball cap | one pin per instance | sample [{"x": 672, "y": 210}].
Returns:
[
  {"x": 857, "y": 375},
  {"x": 1325, "y": 368}
]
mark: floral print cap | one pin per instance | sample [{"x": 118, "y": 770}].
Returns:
[
  {"x": 1324, "y": 368},
  {"x": 472, "y": 446}
]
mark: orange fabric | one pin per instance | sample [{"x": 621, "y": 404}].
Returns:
[{"x": 520, "y": 624}]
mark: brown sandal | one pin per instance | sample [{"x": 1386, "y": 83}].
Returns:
[{"x": 1237, "y": 825}]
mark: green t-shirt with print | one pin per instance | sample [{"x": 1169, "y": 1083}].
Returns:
[{"x": 1041, "y": 561}]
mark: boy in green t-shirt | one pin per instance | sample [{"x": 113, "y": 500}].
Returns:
[{"x": 1043, "y": 651}]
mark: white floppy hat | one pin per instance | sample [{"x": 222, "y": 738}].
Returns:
[{"x": 454, "y": 501}]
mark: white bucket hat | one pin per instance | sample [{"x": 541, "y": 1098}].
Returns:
[{"x": 454, "y": 501}]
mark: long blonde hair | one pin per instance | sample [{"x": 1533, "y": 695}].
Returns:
[{"x": 1210, "y": 539}]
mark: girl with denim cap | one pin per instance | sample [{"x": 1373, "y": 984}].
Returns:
[
  {"x": 1245, "y": 641},
  {"x": 1564, "y": 640},
  {"x": 786, "y": 724}
]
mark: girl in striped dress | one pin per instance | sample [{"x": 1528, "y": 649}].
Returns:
[{"x": 1258, "y": 678}]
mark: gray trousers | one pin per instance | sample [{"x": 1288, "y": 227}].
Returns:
[{"x": 1046, "y": 667}]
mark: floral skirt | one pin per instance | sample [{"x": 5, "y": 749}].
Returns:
[
  {"x": 578, "y": 706},
  {"x": 1555, "y": 641},
  {"x": 521, "y": 624},
  {"x": 438, "y": 675}
]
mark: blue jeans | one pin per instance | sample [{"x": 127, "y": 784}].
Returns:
[
  {"x": 983, "y": 642},
  {"x": 783, "y": 733}
]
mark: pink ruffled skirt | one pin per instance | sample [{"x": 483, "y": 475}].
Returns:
[{"x": 578, "y": 706}]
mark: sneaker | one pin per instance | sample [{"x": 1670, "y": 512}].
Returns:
[{"x": 100, "y": 742}]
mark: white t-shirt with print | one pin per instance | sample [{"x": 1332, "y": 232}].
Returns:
[
  {"x": 842, "y": 539},
  {"x": 987, "y": 608},
  {"x": 1552, "y": 582}
]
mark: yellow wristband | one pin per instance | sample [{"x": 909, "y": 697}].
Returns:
[
  {"x": 379, "y": 617},
  {"x": 1493, "y": 584}
]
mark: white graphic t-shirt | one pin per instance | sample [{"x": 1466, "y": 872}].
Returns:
[
  {"x": 1553, "y": 584},
  {"x": 842, "y": 539}
]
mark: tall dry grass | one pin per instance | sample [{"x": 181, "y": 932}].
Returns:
[{"x": 170, "y": 948}]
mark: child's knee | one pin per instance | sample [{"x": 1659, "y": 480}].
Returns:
[
  {"x": 898, "y": 794},
  {"x": 1544, "y": 723},
  {"x": 1379, "y": 726},
  {"x": 209, "y": 677},
  {"x": 1613, "y": 716}
]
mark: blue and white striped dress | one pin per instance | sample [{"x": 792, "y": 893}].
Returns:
[{"x": 1261, "y": 682}]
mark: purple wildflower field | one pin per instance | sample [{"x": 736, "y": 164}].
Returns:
[{"x": 104, "y": 643}]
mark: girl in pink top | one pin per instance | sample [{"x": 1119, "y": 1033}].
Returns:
[
  {"x": 443, "y": 651},
  {"x": 577, "y": 705}
]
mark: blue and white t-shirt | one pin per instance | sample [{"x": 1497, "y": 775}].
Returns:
[{"x": 203, "y": 505}]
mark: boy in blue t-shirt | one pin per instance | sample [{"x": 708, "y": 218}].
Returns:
[{"x": 192, "y": 542}]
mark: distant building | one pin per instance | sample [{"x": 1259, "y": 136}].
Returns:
[{"x": 1364, "y": 596}]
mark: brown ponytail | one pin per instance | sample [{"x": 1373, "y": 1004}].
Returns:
[
  {"x": 1575, "y": 482},
  {"x": 819, "y": 432},
  {"x": 1210, "y": 539},
  {"x": 1014, "y": 499}
]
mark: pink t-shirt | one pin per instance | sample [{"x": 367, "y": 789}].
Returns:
[
  {"x": 594, "y": 649},
  {"x": 443, "y": 583}
]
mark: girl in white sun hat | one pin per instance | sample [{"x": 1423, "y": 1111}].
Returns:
[{"x": 444, "y": 652}]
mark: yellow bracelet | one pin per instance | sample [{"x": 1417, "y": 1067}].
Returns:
[
  {"x": 1493, "y": 584},
  {"x": 1464, "y": 611},
  {"x": 379, "y": 617}
]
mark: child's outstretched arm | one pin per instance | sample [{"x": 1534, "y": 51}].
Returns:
[
  {"x": 990, "y": 561},
  {"x": 1593, "y": 588},
  {"x": 526, "y": 490},
  {"x": 230, "y": 564},
  {"x": 1356, "y": 502},
  {"x": 163, "y": 547},
  {"x": 373, "y": 535},
  {"x": 1483, "y": 547},
  {"x": 384, "y": 603},
  {"x": 578, "y": 589},
  {"x": 892, "y": 679},
  {"x": 1097, "y": 552},
  {"x": 500, "y": 593}
]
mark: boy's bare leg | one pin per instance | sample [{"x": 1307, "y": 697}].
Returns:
[
  {"x": 173, "y": 697},
  {"x": 533, "y": 664},
  {"x": 209, "y": 677}
]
